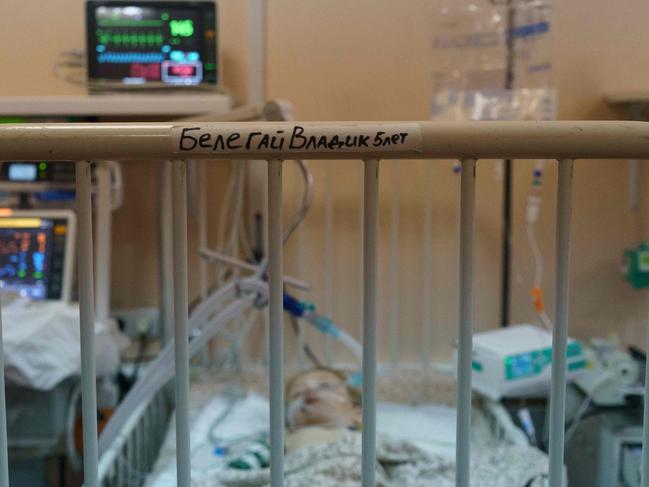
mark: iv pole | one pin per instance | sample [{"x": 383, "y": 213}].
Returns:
[{"x": 507, "y": 182}]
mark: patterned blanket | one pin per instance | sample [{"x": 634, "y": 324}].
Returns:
[{"x": 399, "y": 464}]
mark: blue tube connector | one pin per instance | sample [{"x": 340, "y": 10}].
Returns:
[{"x": 294, "y": 306}]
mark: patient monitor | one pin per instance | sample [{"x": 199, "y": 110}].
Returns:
[
  {"x": 516, "y": 361},
  {"x": 152, "y": 43},
  {"x": 36, "y": 253}
]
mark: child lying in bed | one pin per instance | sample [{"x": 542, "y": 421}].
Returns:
[
  {"x": 321, "y": 408},
  {"x": 323, "y": 447}
]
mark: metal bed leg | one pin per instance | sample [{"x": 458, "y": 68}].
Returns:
[
  {"x": 181, "y": 344},
  {"x": 465, "y": 339},
  {"x": 87, "y": 324},
  {"x": 645, "y": 423},
  {"x": 560, "y": 335},
  {"x": 370, "y": 232},
  {"x": 4, "y": 460},
  {"x": 276, "y": 323}
]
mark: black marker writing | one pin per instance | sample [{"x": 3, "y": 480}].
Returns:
[
  {"x": 325, "y": 142},
  {"x": 208, "y": 141},
  {"x": 298, "y": 139}
]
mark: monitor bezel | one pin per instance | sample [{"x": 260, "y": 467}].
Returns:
[
  {"x": 99, "y": 84},
  {"x": 70, "y": 241}
]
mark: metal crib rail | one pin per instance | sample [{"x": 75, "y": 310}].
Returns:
[{"x": 467, "y": 142}]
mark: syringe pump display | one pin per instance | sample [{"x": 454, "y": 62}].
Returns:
[{"x": 148, "y": 42}]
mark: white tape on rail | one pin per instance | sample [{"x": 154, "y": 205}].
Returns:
[{"x": 217, "y": 138}]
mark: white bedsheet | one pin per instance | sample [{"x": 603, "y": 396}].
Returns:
[
  {"x": 248, "y": 417},
  {"x": 429, "y": 427}
]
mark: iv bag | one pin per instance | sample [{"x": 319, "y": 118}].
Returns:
[{"x": 477, "y": 76}]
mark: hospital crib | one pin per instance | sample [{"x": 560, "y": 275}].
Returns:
[{"x": 276, "y": 142}]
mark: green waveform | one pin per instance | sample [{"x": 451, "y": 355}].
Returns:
[
  {"x": 129, "y": 23},
  {"x": 130, "y": 39}
]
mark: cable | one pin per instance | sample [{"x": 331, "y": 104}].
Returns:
[
  {"x": 532, "y": 216},
  {"x": 141, "y": 352},
  {"x": 583, "y": 407},
  {"x": 574, "y": 423},
  {"x": 70, "y": 419},
  {"x": 307, "y": 200},
  {"x": 305, "y": 346}
]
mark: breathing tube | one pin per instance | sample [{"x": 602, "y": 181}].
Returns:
[
  {"x": 306, "y": 311},
  {"x": 205, "y": 322}
]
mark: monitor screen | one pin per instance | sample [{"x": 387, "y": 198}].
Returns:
[
  {"x": 32, "y": 255},
  {"x": 22, "y": 172},
  {"x": 152, "y": 42},
  {"x": 61, "y": 172}
]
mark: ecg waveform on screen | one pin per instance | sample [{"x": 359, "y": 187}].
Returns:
[{"x": 130, "y": 57}]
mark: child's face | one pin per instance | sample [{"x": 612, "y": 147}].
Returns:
[{"x": 321, "y": 398}]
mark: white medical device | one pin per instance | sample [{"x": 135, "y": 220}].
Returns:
[
  {"x": 37, "y": 253},
  {"x": 516, "y": 361},
  {"x": 613, "y": 376}
]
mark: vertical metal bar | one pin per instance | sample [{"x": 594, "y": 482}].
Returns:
[
  {"x": 300, "y": 242},
  {"x": 256, "y": 51},
  {"x": 120, "y": 467},
  {"x": 166, "y": 252},
  {"x": 103, "y": 243},
  {"x": 465, "y": 339},
  {"x": 560, "y": 335},
  {"x": 427, "y": 271},
  {"x": 645, "y": 422},
  {"x": 202, "y": 224},
  {"x": 201, "y": 215},
  {"x": 634, "y": 184},
  {"x": 329, "y": 253},
  {"x": 87, "y": 324},
  {"x": 4, "y": 461},
  {"x": 146, "y": 436},
  {"x": 137, "y": 452},
  {"x": 276, "y": 323},
  {"x": 361, "y": 224},
  {"x": 370, "y": 271},
  {"x": 181, "y": 338},
  {"x": 256, "y": 95},
  {"x": 129, "y": 460},
  {"x": 394, "y": 263},
  {"x": 264, "y": 232}
]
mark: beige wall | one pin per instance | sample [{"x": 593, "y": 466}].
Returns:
[{"x": 370, "y": 59}]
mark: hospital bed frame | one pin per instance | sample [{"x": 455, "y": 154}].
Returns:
[{"x": 467, "y": 142}]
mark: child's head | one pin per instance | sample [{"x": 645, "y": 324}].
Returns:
[{"x": 322, "y": 397}]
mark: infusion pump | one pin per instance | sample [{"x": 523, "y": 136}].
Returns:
[{"x": 516, "y": 361}]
